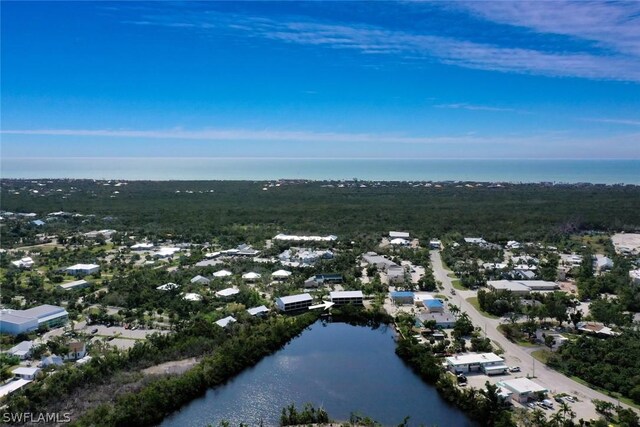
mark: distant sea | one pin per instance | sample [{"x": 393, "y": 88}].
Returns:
[{"x": 158, "y": 168}]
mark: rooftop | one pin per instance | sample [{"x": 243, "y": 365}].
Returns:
[
  {"x": 468, "y": 358},
  {"x": 295, "y": 298},
  {"x": 522, "y": 385},
  {"x": 346, "y": 294}
]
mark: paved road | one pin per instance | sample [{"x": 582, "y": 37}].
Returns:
[{"x": 517, "y": 355}]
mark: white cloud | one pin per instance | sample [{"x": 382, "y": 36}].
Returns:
[
  {"x": 615, "y": 121},
  {"x": 368, "y": 39}
]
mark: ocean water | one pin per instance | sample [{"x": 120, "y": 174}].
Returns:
[{"x": 159, "y": 168}]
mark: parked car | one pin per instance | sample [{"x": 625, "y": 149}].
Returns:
[
  {"x": 514, "y": 369},
  {"x": 94, "y": 331}
]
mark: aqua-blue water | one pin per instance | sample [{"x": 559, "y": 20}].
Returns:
[
  {"x": 157, "y": 168},
  {"x": 340, "y": 367}
]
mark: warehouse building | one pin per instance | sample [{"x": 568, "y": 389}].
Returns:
[
  {"x": 83, "y": 269},
  {"x": 402, "y": 297}
]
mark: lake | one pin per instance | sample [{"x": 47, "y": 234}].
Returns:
[{"x": 339, "y": 367}]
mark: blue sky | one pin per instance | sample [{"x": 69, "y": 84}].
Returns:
[{"x": 312, "y": 79}]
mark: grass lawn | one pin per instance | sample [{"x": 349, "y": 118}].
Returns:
[
  {"x": 541, "y": 355},
  {"x": 456, "y": 284},
  {"x": 474, "y": 302}
]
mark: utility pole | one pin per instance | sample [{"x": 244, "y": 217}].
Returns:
[{"x": 534, "y": 366}]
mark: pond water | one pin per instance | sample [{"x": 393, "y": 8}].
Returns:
[{"x": 339, "y": 367}]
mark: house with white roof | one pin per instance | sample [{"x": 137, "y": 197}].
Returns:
[
  {"x": 25, "y": 372},
  {"x": 227, "y": 293},
  {"x": 168, "y": 286},
  {"x": 398, "y": 241},
  {"x": 294, "y": 302},
  {"x": 190, "y": 296},
  {"x": 251, "y": 277},
  {"x": 83, "y": 269},
  {"x": 296, "y": 238},
  {"x": 201, "y": 280},
  {"x": 223, "y": 323},
  {"x": 222, "y": 273},
  {"x": 280, "y": 274},
  {"x": 258, "y": 311},
  {"x": 54, "y": 360},
  {"x": 21, "y": 350},
  {"x": 26, "y": 262},
  {"x": 398, "y": 235}
]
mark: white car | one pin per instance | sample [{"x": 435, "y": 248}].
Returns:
[{"x": 514, "y": 369}]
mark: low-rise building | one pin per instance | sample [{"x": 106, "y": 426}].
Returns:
[
  {"x": 444, "y": 320},
  {"x": 380, "y": 262},
  {"x": 168, "y": 286},
  {"x": 142, "y": 247},
  {"x": 280, "y": 274},
  {"x": 227, "y": 292},
  {"x": 53, "y": 360},
  {"x": 26, "y": 263},
  {"x": 523, "y": 389},
  {"x": 346, "y": 297},
  {"x": 251, "y": 277},
  {"x": 21, "y": 350},
  {"x": 402, "y": 297},
  {"x": 83, "y": 269},
  {"x": 635, "y": 276},
  {"x": 522, "y": 287},
  {"x": 396, "y": 274},
  {"x": 223, "y": 323},
  {"x": 294, "y": 302},
  {"x": 75, "y": 285},
  {"x": 26, "y": 373},
  {"x": 201, "y": 280},
  {"x": 258, "y": 311},
  {"x": 14, "y": 322},
  {"x": 434, "y": 305},
  {"x": 77, "y": 350},
  {"x": 191, "y": 296},
  {"x": 398, "y": 235},
  {"x": 488, "y": 363},
  {"x": 222, "y": 273}
]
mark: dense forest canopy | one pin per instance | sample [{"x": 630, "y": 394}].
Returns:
[{"x": 244, "y": 210}]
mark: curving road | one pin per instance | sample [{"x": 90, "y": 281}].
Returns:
[{"x": 520, "y": 356}]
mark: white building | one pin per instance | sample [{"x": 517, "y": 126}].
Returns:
[
  {"x": 398, "y": 235},
  {"x": 228, "y": 292},
  {"x": 83, "y": 269},
  {"x": 142, "y": 247},
  {"x": 166, "y": 252},
  {"x": 296, "y": 238},
  {"x": 222, "y": 273},
  {"x": 75, "y": 285},
  {"x": 522, "y": 389},
  {"x": 346, "y": 297},
  {"x": 168, "y": 287},
  {"x": 294, "y": 302},
  {"x": 21, "y": 350},
  {"x": 26, "y": 373},
  {"x": 635, "y": 276},
  {"x": 280, "y": 274},
  {"x": 475, "y": 241},
  {"x": 190, "y": 296},
  {"x": 26, "y": 262},
  {"x": 251, "y": 276},
  {"x": 399, "y": 242},
  {"x": 258, "y": 311},
  {"x": 223, "y": 323},
  {"x": 488, "y": 363}
]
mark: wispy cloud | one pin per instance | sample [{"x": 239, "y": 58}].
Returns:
[
  {"x": 620, "y": 64},
  {"x": 614, "y": 121},
  {"x": 473, "y": 107},
  {"x": 611, "y": 25},
  {"x": 550, "y": 139}
]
